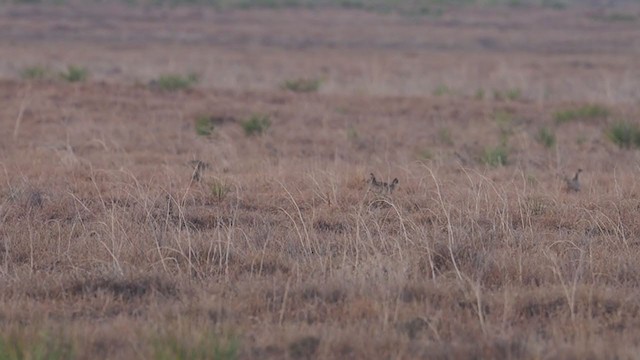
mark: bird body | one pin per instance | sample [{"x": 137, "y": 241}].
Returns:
[{"x": 573, "y": 184}]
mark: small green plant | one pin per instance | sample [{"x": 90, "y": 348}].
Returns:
[
  {"x": 479, "y": 95},
  {"x": 442, "y": 90},
  {"x": 586, "y": 112},
  {"x": 546, "y": 137},
  {"x": 513, "y": 94},
  {"x": 581, "y": 140},
  {"x": 425, "y": 154},
  {"x": 256, "y": 124},
  {"x": 352, "y": 133},
  {"x": 33, "y": 73},
  {"x": 175, "y": 82},
  {"x": 444, "y": 135},
  {"x": 302, "y": 85},
  {"x": 218, "y": 189},
  {"x": 510, "y": 95},
  {"x": 504, "y": 120},
  {"x": 625, "y": 134},
  {"x": 496, "y": 156},
  {"x": 75, "y": 74},
  {"x": 205, "y": 125}
]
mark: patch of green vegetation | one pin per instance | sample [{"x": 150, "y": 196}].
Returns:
[
  {"x": 504, "y": 120},
  {"x": 174, "y": 82},
  {"x": 41, "y": 348},
  {"x": 617, "y": 17},
  {"x": 256, "y": 124},
  {"x": 546, "y": 137},
  {"x": 625, "y": 134},
  {"x": 205, "y": 125},
  {"x": 442, "y": 90},
  {"x": 208, "y": 346},
  {"x": 218, "y": 189},
  {"x": 479, "y": 95},
  {"x": 33, "y": 73},
  {"x": 302, "y": 85},
  {"x": 425, "y": 154},
  {"x": 75, "y": 74},
  {"x": 510, "y": 95},
  {"x": 586, "y": 112},
  {"x": 496, "y": 156},
  {"x": 352, "y": 133},
  {"x": 444, "y": 135}
]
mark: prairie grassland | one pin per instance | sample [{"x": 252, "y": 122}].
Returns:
[{"x": 110, "y": 248}]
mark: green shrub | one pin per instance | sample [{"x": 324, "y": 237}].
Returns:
[
  {"x": 496, "y": 156},
  {"x": 442, "y": 90},
  {"x": 75, "y": 74},
  {"x": 302, "y": 85},
  {"x": 256, "y": 124},
  {"x": 174, "y": 82},
  {"x": 546, "y": 137},
  {"x": 586, "y": 112},
  {"x": 624, "y": 134},
  {"x": 205, "y": 125},
  {"x": 33, "y": 73}
]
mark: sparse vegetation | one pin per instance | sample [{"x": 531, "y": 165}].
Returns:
[
  {"x": 219, "y": 189},
  {"x": 617, "y": 17},
  {"x": 205, "y": 125},
  {"x": 586, "y": 112},
  {"x": 444, "y": 135},
  {"x": 352, "y": 133},
  {"x": 425, "y": 154},
  {"x": 625, "y": 134},
  {"x": 33, "y": 73},
  {"x": 302, "y": 85},
  {"x": 256, "y": 124},
  {"x": 546, "y": 137},
  {"x": 496, "y": 156},
  {"x": 75, "y": 74},
  {"x": 510, "y": 95},
  {"x": 174, "y": 82},
  {"x": 43, "y": 346},
  {"x": 205, "y": 346},
  {"x": 442, "y": 90}
]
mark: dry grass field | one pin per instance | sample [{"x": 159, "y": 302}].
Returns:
[{"x": 115, "y": 243}]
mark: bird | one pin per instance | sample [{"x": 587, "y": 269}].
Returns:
[
  {"x": 381, "y": 186},
  {"x": 375, "y": 184},
  {"x": 392, "y": 186},
  {"x": 573, "y": 184}
]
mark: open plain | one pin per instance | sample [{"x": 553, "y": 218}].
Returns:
[{"x": 189, "y": 183}]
